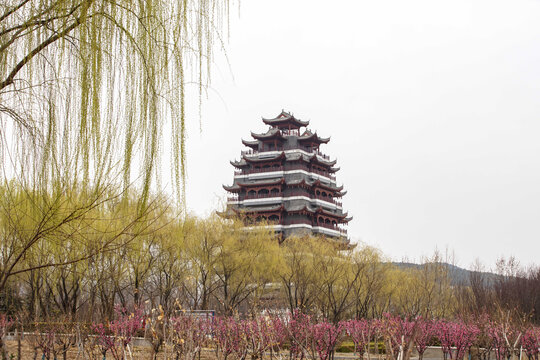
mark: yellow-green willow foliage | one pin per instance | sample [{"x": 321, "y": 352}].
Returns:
[
  {"x": 91, "y": 90},
  {"x": 40, "y": 229},
  {"x": 91, "y": 93},
  {"x": 228, "y": 264}
]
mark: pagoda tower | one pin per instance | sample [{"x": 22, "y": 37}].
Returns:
[{"x": 285, "y": 180}]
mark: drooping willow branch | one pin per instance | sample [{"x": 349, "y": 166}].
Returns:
[{"x": 107, "y": 80}]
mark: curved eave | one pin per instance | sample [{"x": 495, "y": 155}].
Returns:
[
  {"x": 232, "y": 188},
  {"x": 258, "y": 160},
  {"x": 347, "y": 219},
  {"x": 238, "y": 164},
  {"x": 286, "y": 122},
  {"x": 260, "y": 210},
  {"x": 334, "y": 169},
  {"x": 294, "y": 157},
  {"x": 227, "y": 213},
  {"x": 329, "y": 213},
  {"x": 252, "y": 144},
  {"x": 284, "y": 118},
  {"x": 323, "y": 186},
  {"x": 316, "y": 159},
  {"x": 267, "y": 182},
  {"x": 313, "y": 183},
  {"x": 223, "y": 214},
  {"x": 269, "y": 135},
  {"x": 313, "y": 137},
  {"x": 283, "y": 115}
]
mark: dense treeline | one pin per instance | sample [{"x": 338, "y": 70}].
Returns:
[
  {"x": 512, "y": 287},
  {"x": 81, "y": 263}
]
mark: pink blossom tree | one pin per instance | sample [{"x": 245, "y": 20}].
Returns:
[
  {"x": 424, "y": 333},
  {"x": 456, "y": 337},
  {"x": 483, "y": 343},
  {"x": 6, "y": 323},
  {"x": 399, "y": 336},
  {"x": 65, "y": 337},
  {"x": 260, "y": 334},
  {"x": 46, "y": 341},
  {"x": 361, "y": 332},
  {"x": 116, "y": 336},
  {"x": 240, "y": 340},
  {"x": 377, "y": 326},
  {"x": 189, "y": 335},
  {"x": 325, "y": 337},
  {"x": 105, "y": 340},
  {"x": 300, "y": 335},
  {"x": 225, "y": 335},
  {"x": 531, "y": 342},
  {"x": 279, "y": 335},
  {"x": 505, "y": 338},
  {"x": 125, "y": 327}
]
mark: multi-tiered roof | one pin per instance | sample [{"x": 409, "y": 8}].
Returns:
[{"x": 284, "y": 179}]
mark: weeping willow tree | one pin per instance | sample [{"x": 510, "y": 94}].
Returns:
[{"x": 92, "y": 92}]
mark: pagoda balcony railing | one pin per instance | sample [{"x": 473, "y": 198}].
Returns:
[
  {"x": 281, "y": 194},
  {"x": 287, "y": 147},
  {"x": 332, "y": 227},
  {"x": 260, "y": 196},
  {"x": 257, "y": 196},
  {"x": 324, "y": 156},
  {"x": 310, "y": 223},
  {"x": 286, "y": 168},
  {"x": 313, "y": 196},
  {"x": 327, "y": 199},
  {"x": 292, "y": 132},
  {"x": 256, "y": 171},
  {"x": 305, "y": 168},
  {"x": 322, "y": 173}
]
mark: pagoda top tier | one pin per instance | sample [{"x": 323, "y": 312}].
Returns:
[{"x": 285, "y": 120}]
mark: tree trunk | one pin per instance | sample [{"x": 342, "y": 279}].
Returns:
[
  {"x": 19, "y": 339},
  {"x": 3, "y": 349}
]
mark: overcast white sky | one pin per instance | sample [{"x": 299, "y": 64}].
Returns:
[{"x": 432, "y": 107}]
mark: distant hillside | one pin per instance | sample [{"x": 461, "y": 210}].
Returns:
[{"x": 459, "y": 276}]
